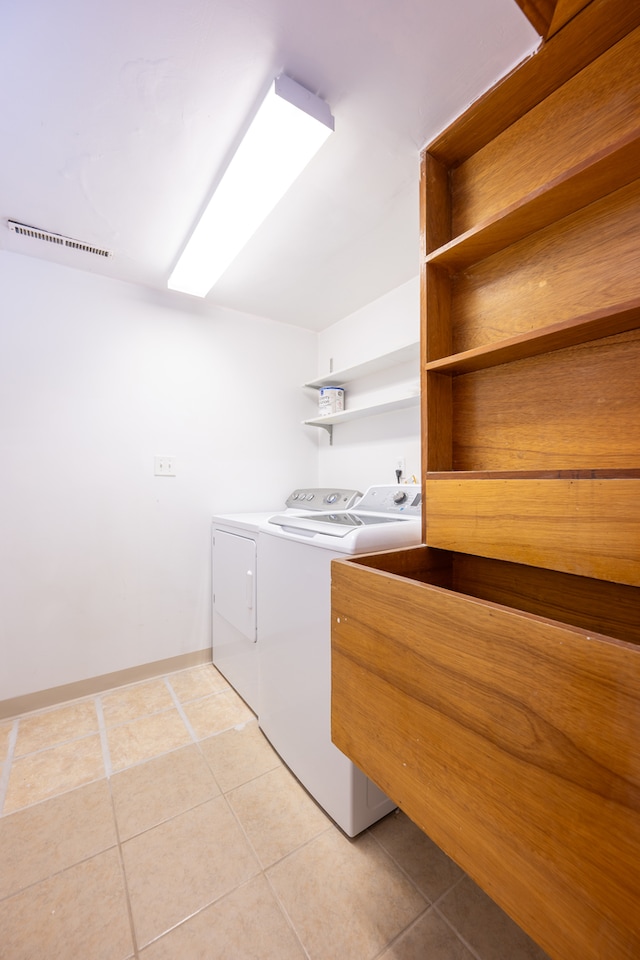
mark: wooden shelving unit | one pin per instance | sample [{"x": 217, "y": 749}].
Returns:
[{"x": 489, "y": 681}]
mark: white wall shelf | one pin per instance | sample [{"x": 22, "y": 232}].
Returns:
[
  {"x": 338, "y": 378},
  {"x": 358, "y": 413}
]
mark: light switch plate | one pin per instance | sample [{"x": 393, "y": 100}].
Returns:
[{"x": 164, "y": 466}]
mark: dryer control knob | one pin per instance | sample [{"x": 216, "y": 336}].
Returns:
[
  {"x": 331, "y": 498},
  {"x": 399, "y": 497}
]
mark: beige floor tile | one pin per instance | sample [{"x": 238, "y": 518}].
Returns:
[
  {"x": 277, "y": 814},
  {"x": 430, "y": 938},
  {"x": 197, "y": 682},
  {"x": 78, "y": 914},
  {"x": 134, "y": 702},
  {"x": 238, "y": 756},
  {"x": 55, "y": 834},
  {"x": 54, "y": 771},
  {"x": 159, "y": 789},
  {"x": 146, "y": 738},
  {"x": 428, "y": 866},
  {"x": 183, "y": 865},
  {"x": 247, "y": 924},
  {"x": 216, "y": 713},
  {"x": 485, "y": 927},
  {"x": 5, "y": 734},
  {"x": 345, "y": 898},
  {"x": 41, "y": 730}
]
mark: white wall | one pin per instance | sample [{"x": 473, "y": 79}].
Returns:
[
  {"x": 364, "y": 451},
  {"x": 105, "y": 566}
]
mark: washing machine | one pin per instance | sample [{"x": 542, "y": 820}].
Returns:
[
  {"x": 294, "y": 601},
  {"x": 235, "y": 569}
]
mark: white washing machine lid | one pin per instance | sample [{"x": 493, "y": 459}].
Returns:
[
  {"x": 334, "y": 524},
  {"x": 300, "y": 501},
  {"x": 387, "y": 516}
]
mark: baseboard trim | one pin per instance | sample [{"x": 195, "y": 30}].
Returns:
[{"x": 86, "y": 688}]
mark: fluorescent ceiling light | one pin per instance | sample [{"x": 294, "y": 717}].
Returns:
[{"x": 289, "y": 128}]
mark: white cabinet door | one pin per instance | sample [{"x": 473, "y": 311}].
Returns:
[{"x": 234, "y": 581}]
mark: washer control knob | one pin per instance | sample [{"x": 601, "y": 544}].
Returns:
[
  {"x": 399, "y": 497},
  {"x": 310, "y": 496},
  {"x": 331, "y": 498},
  {"x": 294, "y": 496}
]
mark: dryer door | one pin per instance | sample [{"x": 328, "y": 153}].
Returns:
[{"x": 234, "y": 581}]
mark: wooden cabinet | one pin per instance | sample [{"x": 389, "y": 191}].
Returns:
[{"x": 489, "y": 681}]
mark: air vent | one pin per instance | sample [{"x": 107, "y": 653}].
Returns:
[{"x": 36, "y": 234}]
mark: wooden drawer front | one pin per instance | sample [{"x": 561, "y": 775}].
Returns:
[
  {"x": 586, "y": 527},
  {"x": 572, "y": 409},
  {"x": 552, "y": 137},
  {"x": 563, "y": 271},
  {"x": 459, "y": 710}
]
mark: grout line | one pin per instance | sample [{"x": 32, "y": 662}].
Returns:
[
  {"x": 401, "y": 933},
  {"x": 104, "y": 743},
  {"x": 446, "y": 892},
  {"x": 57, "y": 743},
  {"x": 285, "y": 914},
  {"x": 180, "y": 710},
  {"x": 7, "y": 764},
  {"x": 134, "y": 939},
  {"x": 429, "y": 902},
  {"x": 470, "y": 948},
  {"x": 142, "y": 716},
  {"x": 199, "y": 910}
]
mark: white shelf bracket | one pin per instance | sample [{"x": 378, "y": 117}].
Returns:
[{"x": 329, "y": 428}]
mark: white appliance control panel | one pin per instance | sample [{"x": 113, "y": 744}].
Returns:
[
  {"x": 401, "y": 499},
  {"x": 323, "y": 498}
]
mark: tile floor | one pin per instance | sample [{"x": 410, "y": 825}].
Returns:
[{"x": 155, "y": 822}]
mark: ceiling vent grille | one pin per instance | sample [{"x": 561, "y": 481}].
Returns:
[{"x": 36, "y": 234}]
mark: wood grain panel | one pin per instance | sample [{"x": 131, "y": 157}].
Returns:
[
  {"x": 559, "y": 273},
  {"x": 435, "y": 210},
  {"x": 598, "y": 605},
  {"x": 565, "y": 10},
  {"x": 601, "y": 24},
  {"x": 594, "y": 325},
  {"x": 603, "y": 172},
  {"x": 539, "y": 13},
  {"x": 552, "y": 138},
  {"x": 612, "y": 609},
  {"x": 573, "y": 409},
  {"x": 459, "y": 710},
  {"x": 586, "y": 527}
]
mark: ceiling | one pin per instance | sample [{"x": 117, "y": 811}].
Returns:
[{"x": 117, "y": 118}]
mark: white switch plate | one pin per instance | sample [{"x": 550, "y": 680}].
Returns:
[{"x": 164, "y": 466}]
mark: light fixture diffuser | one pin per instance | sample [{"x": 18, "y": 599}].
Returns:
[{"x": 287, "y": 131}]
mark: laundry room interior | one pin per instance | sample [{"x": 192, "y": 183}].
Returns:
[
  {"x": 108, "y": 565},
  {"x": 229, "y": 610}
]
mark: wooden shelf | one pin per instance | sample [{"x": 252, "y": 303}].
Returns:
[
  {"x": 339, "y": 378},
  {"x": 568, "y": 333},
  {"x": 603, "y": 173},
  {"x": 586, "y": 474}
]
